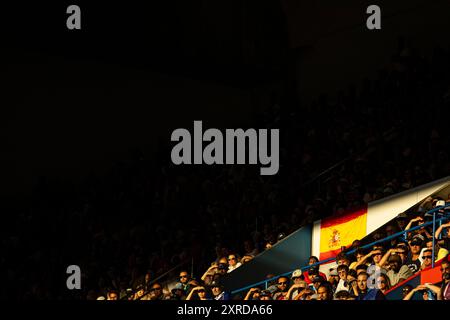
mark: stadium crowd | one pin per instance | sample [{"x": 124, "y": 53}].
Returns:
[
  {"x": 148, "y": 218},
  {"x": 364, "y": 275}
]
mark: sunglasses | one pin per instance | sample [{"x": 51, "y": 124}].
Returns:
[
  {"x": 233, "y": 258},
  {"x": 199, "y": 291},
  {"x": 426, "y": 257}
]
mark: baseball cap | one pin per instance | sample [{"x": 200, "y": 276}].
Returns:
[
  {"x": 297, "y": 273},
  {"x": 418, "y": 237},
  {"x": 178, "y": 286},
  {"x": 416, "y": 242}
]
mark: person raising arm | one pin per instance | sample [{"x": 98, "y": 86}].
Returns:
[
  {"x": 200, "y": 292},
  {"x": 250, "y": 293},
  {"x": 387, "y": 255},
  {"x": 366, "y": 257},
  {"x": 439, "y": 230},
  {"x": 420, "y": 221},
  {"x": 420, "y": 287},
  {"x": 212, "y": 268}
]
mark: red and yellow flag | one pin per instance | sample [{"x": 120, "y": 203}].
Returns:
[{"x": 338, "y": 232}]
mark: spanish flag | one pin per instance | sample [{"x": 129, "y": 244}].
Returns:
[{"x": 338, "y": 232}]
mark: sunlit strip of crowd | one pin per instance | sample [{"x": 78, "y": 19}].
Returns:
[{"x": 364, "y": 275}]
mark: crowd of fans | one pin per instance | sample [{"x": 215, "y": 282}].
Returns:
[
  {"x": 364, "y": 275},
  {"x": 149, "y": 218},
  {"x": 370, "y": 274}
]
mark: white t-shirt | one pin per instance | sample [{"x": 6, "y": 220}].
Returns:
[
  {"x": 341, "y": 286},
  {"x": 232, "y": 268}
]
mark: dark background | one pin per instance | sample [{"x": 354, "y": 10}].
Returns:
[
  {"x": 74, "y": 103},
  {"x": 74, "y": 100}
]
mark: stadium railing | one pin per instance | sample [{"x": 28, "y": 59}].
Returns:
[{"x": 432, "y": 212}]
